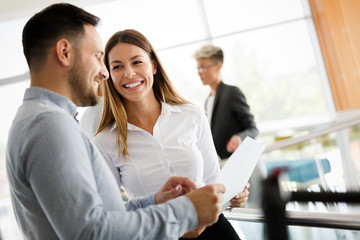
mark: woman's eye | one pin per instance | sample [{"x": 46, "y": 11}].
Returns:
[
  {"x": 116, "y": 67},
  {"x": 137, "y": 62}
]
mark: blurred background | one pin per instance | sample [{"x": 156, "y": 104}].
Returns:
[{"x": 297, "y": 62}]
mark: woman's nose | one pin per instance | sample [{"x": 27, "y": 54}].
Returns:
[{"x": 129, "y": 72}]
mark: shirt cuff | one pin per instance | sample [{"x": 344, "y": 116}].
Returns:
[
  {"x": 141, "y": 202},
  {"x": 186, "y": 213}
]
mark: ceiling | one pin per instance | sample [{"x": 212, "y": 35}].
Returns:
[{"x": 13, "y": 9}]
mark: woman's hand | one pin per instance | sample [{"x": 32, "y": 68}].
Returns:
[
  {"x": 240, "y": 199},
  {"x": 174, "y": 187}
]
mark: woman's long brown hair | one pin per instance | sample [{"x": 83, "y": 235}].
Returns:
[{"x": 114, "y": 109}]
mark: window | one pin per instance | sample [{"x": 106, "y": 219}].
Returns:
[
  {"x": 277, "y": 70},
  {"x": 12, "y": 61},
  {"x": 165, "y": 23},
  {"x": 233, "y": 15}
]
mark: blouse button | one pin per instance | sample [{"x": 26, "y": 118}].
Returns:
[
  {"x": 172, "y": 170},
  {"x": 156, "y": 129}
]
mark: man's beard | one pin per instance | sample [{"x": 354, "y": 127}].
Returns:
[{"x": 82, "y": 89}]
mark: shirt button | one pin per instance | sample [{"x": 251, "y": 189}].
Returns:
[{"x": 172, "y": 170}]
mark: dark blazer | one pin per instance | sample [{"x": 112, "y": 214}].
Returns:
[{"x": 231, "y": 115}]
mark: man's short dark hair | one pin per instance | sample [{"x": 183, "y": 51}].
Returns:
[{"x": 45, "y": 28}]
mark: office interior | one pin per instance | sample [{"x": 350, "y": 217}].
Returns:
[{"x": 298, "y": 64}]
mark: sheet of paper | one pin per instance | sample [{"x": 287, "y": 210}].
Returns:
[{"x": 236, "y": 172}]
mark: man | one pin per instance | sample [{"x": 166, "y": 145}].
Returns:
[
  {"x": 226, "y": 107},
  {"x": 91, "y": 117},
  {"x": 61, "y": 187}
]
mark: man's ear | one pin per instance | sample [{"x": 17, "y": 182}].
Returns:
[
  {"x": 64, "y": 52},
  {"x": 219, "y": 66}
]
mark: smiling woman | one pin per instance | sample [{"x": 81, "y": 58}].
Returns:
[
  {"x": 132, "y": 61},
  {"x": 174, "y": 134},
  {"x": 133, "y": 70}
]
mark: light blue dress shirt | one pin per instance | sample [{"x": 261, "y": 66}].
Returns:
[{"x": 62, "y": 188}]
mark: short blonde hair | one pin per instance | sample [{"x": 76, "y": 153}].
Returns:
[{"x": 210, "y": 51}]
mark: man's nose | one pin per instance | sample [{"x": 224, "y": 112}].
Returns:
[{"x": 104, "y": 72}]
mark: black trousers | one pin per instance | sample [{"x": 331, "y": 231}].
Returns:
[{"x": 222, "y": 229}]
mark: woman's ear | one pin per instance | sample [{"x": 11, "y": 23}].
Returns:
[
  {"x": 154, "y": 65},
  {"x": 64, "y": 52}
]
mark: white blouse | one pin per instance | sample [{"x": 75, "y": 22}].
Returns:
[
  {"x": 209, "y": 107},
  {"x": 181, "y": 145}
]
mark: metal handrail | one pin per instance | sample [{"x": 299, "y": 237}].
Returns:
[
  {"x": 317, "y": 133},
  {"x": 300, "y": 218},
  {"x": 14, "y": 79}
]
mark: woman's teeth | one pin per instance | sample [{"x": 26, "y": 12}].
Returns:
[{"x": 132, "y": 85}]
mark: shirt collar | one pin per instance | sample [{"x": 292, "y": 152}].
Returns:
[
  {"x": 166, "y": 110},
  {"x": 47, "y": 95}
]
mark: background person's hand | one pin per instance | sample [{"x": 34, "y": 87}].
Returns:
[
  {"x": 240, "y": 199},
  {"x": 207, "y": 201},
  {"x": 174, "y": 187},
  {"x": 233, "y": 143}
]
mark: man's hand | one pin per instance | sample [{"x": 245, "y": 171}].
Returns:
[
  {"x": 206, "y": 202},
  {"x": 174, "y": 187},
  {"x": 234, "y": 143},
  {"x": 240, "y": 199}
]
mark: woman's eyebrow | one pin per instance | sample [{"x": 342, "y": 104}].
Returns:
[
  {"x": 115, "y": 61},
  {"x": 132, "y": 58}
]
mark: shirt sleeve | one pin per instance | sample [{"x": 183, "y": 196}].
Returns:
[
  {"x": 110, "y": 164},
  {"x": 208, "y": 151},
  {"x": 241, "y": 110},
  {"x": 141, "y": 202},
  {"x": 66, "y": 180}
]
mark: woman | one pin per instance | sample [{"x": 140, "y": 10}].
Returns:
[{"x": 149, "y": 132}]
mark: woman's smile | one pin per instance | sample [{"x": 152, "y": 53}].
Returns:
[{"x": 133, "y": 84}]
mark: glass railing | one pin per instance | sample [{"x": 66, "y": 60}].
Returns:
[{"x": 324, "y": 160}]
